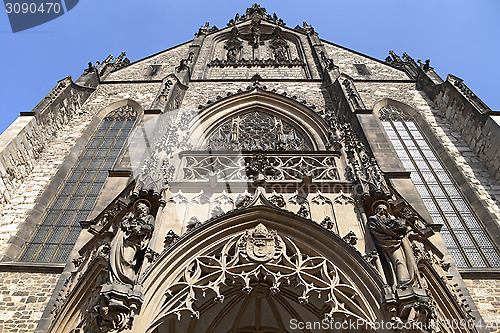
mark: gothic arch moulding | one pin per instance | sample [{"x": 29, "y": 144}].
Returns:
[
  {"x": 407, "y": 111},
  {"x": 291, "y": 113},
  {"x": 137, "y": 108},
  {"x": 258, "y": 266}
]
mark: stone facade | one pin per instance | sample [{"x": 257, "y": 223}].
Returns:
[
  {"x": 486, "y": 295},
  {"x": 314, "y": 177},
  {"x": 23, "y": 299}
]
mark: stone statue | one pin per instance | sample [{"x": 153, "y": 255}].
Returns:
[
  {"x": 232, "y": 54},
  {"x": 280, "y": 53},
  {"x": 390, "y": 234},
  {"x": 131, "y": 239}
]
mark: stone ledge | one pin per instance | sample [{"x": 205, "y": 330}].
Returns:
[
  {"x": 31, "y": 267},
  {"x": 480, "y": 273}
]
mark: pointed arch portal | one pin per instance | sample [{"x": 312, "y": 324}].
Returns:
[{"x": 259, "y": 270}]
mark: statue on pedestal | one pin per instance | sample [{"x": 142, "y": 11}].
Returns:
[
  {"x": 390, "y": 235},
  {"x": 131, "y": 239}
]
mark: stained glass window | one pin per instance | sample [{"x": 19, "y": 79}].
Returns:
[
  {"x": 466, "y": 238},
  {"x": 53, "y": 239}
]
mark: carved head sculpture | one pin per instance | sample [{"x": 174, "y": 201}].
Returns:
[
  {"x": 142, "y": 208},
  {"x": 382, "y": 210}
]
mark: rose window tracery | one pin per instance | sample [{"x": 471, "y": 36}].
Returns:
[{"x": 257, "y": 130}]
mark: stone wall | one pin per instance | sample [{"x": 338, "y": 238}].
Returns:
[
  {"x": 23, "y": 199},
  {"x": 486, "y": 295},
  {"x": 199, "y": 93},
  {"x": 141, "y": 69},
  {"x": 346, "y": 59},
  {"x": 23, "y": 142},
  {"x": 23, "y": 297},
  {"x": 479, "y": 130}
]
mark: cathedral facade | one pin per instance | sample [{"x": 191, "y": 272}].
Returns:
[{"x": 254, "y": 179}]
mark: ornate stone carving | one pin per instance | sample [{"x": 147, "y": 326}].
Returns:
[
  {"x": 124, "y": 113},
  {"x": 257, "y": 131},
  {"x": 256, "y": 11},
  {"x": 390, "y": 112},
  {"x": 170, "y": 238},
  {"x": 257, "y": 63},
  {"x": 329, "y": 64},
  {"x": 233, "y": 46},
  {"x": 193, "y": 222},
  {"x": 260, "y": 245},
  {"x": 306, "y": 28},
  {"x": 279, "y": 46},
  {"x": 134, "y": 234},
  {"x": 277, "y": 167},
  {"x": 260, "y": 255},
  {"x": 277, "y": 200},
  {"x": 350, "y": 238},
  {"x": 206, "y": 29}
]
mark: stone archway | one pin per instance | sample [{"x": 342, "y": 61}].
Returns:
[{"x": 265, "y": 273}]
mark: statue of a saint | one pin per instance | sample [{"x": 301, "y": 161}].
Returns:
[
  {"x": 130, "y": 240},
  {"x": 390, "y": 234}
]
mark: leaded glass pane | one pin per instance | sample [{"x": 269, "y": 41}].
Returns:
[
  {"x": 437, "y": 191},
  {"x": 482, "y": 239},
  {"x": 470, "y": 221},
  {"x": 448, "y": 239},
  {"x": 458, "y": 257},
  {"x": 47, "y": 252},
  {"x": 60, "y": 202},
  {"x": 445, "y": 205},
  {"x": 474, "y": 257},
  {"x": 429, "y": 177},
  {"x": 430, "y": 205},
  {"x": 443, "y": 177},
  {"x": 56, "y": 236},
  {"x": 441, "y": 196},
  {"x": 492, "y": 256},
  {"x": 53, "y": 240},
  {"x": 422, "y": 190},
  {"x": 41, "y": 234},
  {"x": 463, "y": 238},
  {"x": 63, "y": 253},
  {"x": 72, "y": 235},
  {"x": 30, "y": 251},
  {"x": 454, "y": 221},
  {"x": 452, "y": 190}
]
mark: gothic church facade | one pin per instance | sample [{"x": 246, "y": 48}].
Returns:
[{"x": 253, "y": 179}]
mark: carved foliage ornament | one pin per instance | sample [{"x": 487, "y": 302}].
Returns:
[
  {"x": 260, "y": 255},
  {"x": 123, "y": 113}
]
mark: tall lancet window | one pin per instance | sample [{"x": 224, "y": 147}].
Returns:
[
  {"x": 55, "y": 235},
  {"x": 465, "y": 236}
]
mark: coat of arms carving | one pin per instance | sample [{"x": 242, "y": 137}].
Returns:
[{"x": 260, "y": 245}]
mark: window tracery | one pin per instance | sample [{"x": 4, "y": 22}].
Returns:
[
  {"x": 467, "y": 240},
  {"x": 55, "y": 236},
  {"x": 257, "y": 130}
]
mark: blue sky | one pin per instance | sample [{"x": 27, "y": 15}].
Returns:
[{"x": 460, "y": 37}]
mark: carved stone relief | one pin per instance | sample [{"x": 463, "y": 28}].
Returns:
[{"x": 238, "y": 264}]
